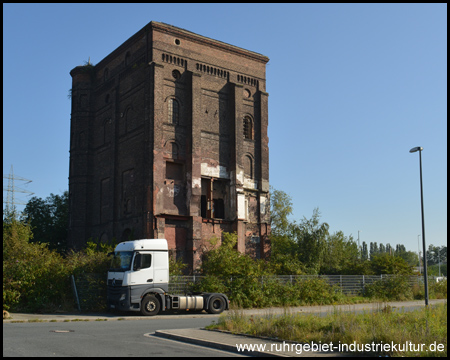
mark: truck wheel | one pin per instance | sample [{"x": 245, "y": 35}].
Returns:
[
  {"x": 216, "y": 304},
  {"x": 150, "y": 305}
]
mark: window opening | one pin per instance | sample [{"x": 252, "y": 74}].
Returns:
[
  {"x": 248, "y": 166},
  {"x": 219, "y": 210},
  {"x": 213, "y": 199},
  {"x": 173, "y": 111},
  {"x": 248, "y": 128},
  {"x": 204, "y": 204},
  {"x": 176, "y": 74}
]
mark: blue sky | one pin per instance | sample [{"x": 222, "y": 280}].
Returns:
[{"x": 352, "y": 88}]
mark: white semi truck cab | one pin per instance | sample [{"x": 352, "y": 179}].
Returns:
[{"x": 138, "y": 280}]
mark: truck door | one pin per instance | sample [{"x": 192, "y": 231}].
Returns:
[
  {"x": 142, "y": 276},
  {"x": 142, "y": 268}
]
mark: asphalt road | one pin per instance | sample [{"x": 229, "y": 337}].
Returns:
[
  {"x": 69, "y": 335},
  {"x": 103, "y": 338}
]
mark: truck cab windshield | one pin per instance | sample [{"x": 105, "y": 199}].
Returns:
[{"x": 121, "y": 261}]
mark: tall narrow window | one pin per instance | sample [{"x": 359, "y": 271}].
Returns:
[
  {"x": 174, "y": 111},
  {"x": 248, "y": 128},
  {"x": 248, "y": 166}
]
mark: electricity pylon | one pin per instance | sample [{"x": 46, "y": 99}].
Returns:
[{"x": 11, "y": 190}]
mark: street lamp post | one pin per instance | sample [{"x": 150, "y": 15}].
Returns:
[
  {"x": 439, "y": 257},
  {"x": 359, "y": 246},
  {"x": 419, "y": 149},
  {"x": 418, "y": 246}
]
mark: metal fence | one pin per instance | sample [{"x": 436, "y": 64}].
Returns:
[
  {"x": 90, "y": 289},
  {"x": 348, "y": 284}
]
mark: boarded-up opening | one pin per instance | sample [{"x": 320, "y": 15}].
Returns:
[
  {"x": 174, "y": 171},
  {"x": 176, "y": 240}
]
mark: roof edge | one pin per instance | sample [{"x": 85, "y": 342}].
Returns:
[{"x": 215, "y": 43}]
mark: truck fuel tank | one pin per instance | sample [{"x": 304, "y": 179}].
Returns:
[{"x": 188, "y": 302}]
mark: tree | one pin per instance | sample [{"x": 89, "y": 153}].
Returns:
[
  {"x": 34, "y": 277},
  {"x": 436, "y": 254},
  {"x": 399, "y": 248},
  {"x": 295, "y": 246},
  {"x": 224, "y": 261},
  {"x": 340, "y": 255},
  {"x": 311, "y": 236},
  {"x": 386, "y": 264},
  {"x": 49, "y": 220},
  {"x": 283, "y": 258},
  {"x": 280, "y": 210},
  {"x": 389, "y": 249},
  {"x": 409, "y": 256},
  {"x": 373, "y": 249},
  {"x": 364, "y": 251}
]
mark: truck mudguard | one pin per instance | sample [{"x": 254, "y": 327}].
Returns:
[{"x": 158, "y": 291}]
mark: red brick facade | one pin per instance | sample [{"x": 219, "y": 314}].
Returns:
[{"x": 169, "y": 140}]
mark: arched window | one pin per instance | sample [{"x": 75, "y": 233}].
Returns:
[
  {"x": 174, "y": 111},
  {"x": 248, "y": 128},
  {"x": 248, "y": 166}
]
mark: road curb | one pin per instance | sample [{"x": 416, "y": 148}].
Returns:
[{"x": 172, "y": 335}]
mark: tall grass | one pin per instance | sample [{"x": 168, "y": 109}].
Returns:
[{"x": 382, "y": 326}]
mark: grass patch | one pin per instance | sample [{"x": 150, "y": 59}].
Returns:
[{"x": 381, "y": 326}]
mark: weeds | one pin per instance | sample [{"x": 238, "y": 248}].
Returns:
[{"x": 426, "y": 326}]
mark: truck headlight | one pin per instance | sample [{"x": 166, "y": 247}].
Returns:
[{"x": 122, "y": 297}]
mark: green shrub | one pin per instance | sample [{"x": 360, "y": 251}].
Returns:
[
  {"x": 250, "y": 283},
  {"x": 396, "y": 288},
  {"x": 176, "y": 267},
  {"x": 34, "y": 278},
  {"x": 89, "y": 268},
  {"x": 438, "y": 290}
]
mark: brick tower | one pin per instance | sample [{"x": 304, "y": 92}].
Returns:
[{"x": 169, "y": 140}]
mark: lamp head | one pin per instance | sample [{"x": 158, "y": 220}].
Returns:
[{"x": 418, "y": 148}]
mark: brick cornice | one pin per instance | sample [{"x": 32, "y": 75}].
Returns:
[{"x": 182, "y": 33}]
